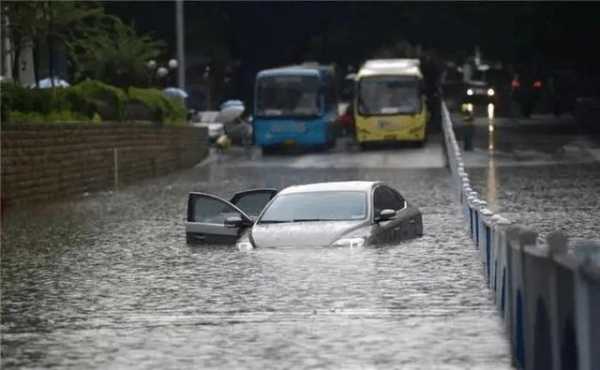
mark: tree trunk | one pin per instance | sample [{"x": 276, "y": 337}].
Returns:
[
  {"x": 36, "y": 62},
  {"x": 16, "y": 69},
  {"x": 50, "y": 39},
  {"x": 50, "y": 60},
  {"x": 3, "y": 49}
]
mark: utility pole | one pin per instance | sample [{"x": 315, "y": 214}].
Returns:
[{"x": 180, "y": 45}]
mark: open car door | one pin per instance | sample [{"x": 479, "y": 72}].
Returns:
[
  {"x": 212, "y": 220},
  {"x": 252, "y": 202}
]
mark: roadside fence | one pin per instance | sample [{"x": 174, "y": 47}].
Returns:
[{"x": 547, "y": 290}]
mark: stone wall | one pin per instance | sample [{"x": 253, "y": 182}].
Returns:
[{"x": 46, "y": 162}]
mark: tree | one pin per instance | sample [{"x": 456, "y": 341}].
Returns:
[
  {"x": 19, "y": 22},
  {"x": 117, "y": 56},
  {"x": 214, "y": 32},
  {"x": 48, "y": 23},
  {"x": 67, "y": 21}
]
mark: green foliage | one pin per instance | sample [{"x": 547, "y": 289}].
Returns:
[
  {"x": 43, "y": 101},
  {"x": 18, "y": 98},
  {"x": 117, "y": 56},
  {"x": 12, "y": 98},
  {"x": 97, "y": 97},
  {"x": 22, "y": 105},
  {"x": 88, "y": 101},
  {"x": 162, "y": 109}
]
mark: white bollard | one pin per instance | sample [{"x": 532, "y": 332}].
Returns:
[
  {"x": 485, "y": 242},
  {"x": 587, "y": 304}
]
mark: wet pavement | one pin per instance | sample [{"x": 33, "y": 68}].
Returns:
[
  {"x": 543, "y": 172},
  {"x": 107, "y": 281}
]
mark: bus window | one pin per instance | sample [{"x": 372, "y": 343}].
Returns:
[
  {"x": 288, "y": 96},
  {"x": 388, "y": 95}
]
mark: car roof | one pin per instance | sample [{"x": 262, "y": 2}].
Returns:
[{"x": 330, "y": 186}]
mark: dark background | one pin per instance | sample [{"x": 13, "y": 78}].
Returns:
[{"x": 242, "y": 38}]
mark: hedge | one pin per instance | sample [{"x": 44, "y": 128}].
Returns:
[
  {"x": 108, "y": 101},
  {"x": 87, "y": 101},
  {"x": 162, "y": 109}
]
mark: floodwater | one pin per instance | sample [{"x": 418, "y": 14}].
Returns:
[
  {"x": 542, "y": 172},
  {"x": 107, "y": 281}
]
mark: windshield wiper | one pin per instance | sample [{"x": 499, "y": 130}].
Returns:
[
  {"x": 308, "y": 219},
  {"x": 274, "y": 221}
]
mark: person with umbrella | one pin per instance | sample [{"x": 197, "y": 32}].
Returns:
[{"x": 234, "y": 117}]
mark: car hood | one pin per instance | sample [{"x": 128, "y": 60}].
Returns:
[{"x": 302, "y": 234}]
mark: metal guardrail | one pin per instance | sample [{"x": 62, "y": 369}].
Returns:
[{"x": 547, "y": 290}]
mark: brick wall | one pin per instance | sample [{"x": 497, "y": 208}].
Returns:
[{"x": 45, "y": 162}]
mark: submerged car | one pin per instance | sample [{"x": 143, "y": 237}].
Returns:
[{"x": 350, "y": 214}]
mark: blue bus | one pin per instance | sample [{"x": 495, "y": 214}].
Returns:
[{"x": 295, "y": 106}]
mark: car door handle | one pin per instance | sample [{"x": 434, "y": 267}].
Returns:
[{"x": 412, "y": 222}]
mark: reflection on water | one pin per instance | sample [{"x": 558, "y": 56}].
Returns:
[
  {"x": 490, "y": 112},
  {"x": 110, "y": 283},
  {"x": 492, "y": 179}
]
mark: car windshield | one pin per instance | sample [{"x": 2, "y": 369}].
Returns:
[
  {"x": 388, "y": 95},
  {"x": 287, "y": 96},
  {"x": 317, "y": 206}
]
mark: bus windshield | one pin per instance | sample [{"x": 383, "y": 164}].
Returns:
[
  {"x": 287, "y": 96},
  {"x": 380, "y": 95}
]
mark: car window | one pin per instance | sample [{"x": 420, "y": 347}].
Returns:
[
  {"x": 398, "y": 201},
  {"x": 386, "y": 198},
  {"x": 210, "y": 210},
  {"x": 252, "y": 204},
  {"x": 317, "y": 206}
]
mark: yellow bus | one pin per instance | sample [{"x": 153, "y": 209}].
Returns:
[{"x": 389, "y": 103}]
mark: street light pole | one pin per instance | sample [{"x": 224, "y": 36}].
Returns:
[
  {"x": 180, "y": 44},
  {"x": 208, "y": 87}
]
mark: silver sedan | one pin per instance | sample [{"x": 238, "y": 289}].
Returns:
[{"x": 345, "y": 214}]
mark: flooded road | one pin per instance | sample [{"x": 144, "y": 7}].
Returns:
[
  {"x": 543, "y": 172},
  {"x": 107, "y": 281}
]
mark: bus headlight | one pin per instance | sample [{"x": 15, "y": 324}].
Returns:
[
  {"x": 491, "y": 92},
  {"x": 469, "y": 92}
]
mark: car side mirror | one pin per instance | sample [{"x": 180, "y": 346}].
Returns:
[
  {"x": 385, "y": 215},
  {"x": 234, "y": 221}
]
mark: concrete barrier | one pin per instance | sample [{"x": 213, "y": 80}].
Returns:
[
  {"x": 547, "y": 291},
  {"x": 587, "y": 304},
  {"x": 500, "y": 264}
]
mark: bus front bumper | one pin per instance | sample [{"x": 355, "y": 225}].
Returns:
[{"x": 411, "y": 133}]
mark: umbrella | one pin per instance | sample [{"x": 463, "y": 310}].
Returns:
[
  {"x": 230, "y": 103},
  {"x": 175, "y": 92},
  {"x": 46, "y": 83},
  {"x": 230, "y": 110}
]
